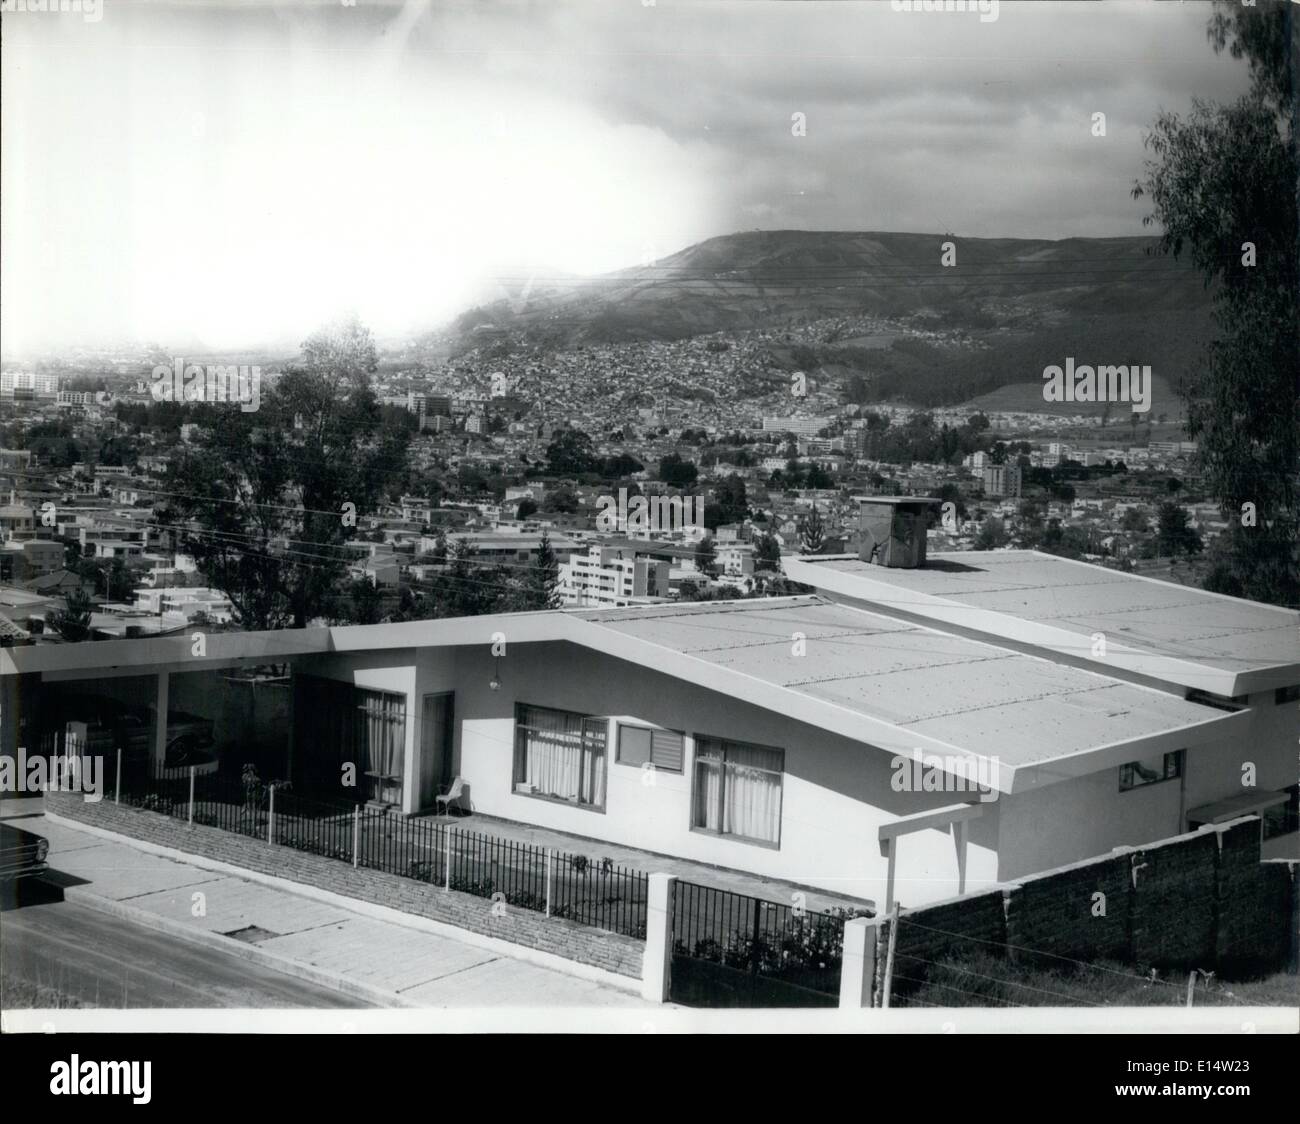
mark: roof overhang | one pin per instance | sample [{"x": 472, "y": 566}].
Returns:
[
  {"x": 146, "y": 656},
  {"x": 992, "y": 626}
]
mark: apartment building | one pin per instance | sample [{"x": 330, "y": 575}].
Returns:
[{"x": 612, "y": 576}]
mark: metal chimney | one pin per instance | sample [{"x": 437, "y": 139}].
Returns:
[{"x": 892, "y": 529}]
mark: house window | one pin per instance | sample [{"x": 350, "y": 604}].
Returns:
[
  {"x": 560, "y": 756},
  {"x": 1283, "y": 819},
  {"x": 738, "y": 789},
  {"x": 1151, "y": 770},
  {"x": 641, "y": 745},
  {"x": 1285, "y": 695},
  {"x": 381, "y": 737}
]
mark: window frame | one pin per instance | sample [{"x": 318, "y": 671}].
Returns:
[
  {"x": 514, "y": 763},
  {"x": 696, "y": 739},
  {"x": 1180, "y": 760},
  {"x": 618, "y": 747}
]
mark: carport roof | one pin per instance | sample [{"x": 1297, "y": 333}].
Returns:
[
  {"x": 1171, "y": 633},
  {"x": 898, "y": 686}
]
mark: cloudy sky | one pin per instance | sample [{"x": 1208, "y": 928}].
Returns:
[{"x": 234, "y": 173}]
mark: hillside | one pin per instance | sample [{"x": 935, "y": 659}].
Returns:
[{"x": 1014, "y": 304}]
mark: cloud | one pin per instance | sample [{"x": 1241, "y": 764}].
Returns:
[{"x": 237, "y": 173}]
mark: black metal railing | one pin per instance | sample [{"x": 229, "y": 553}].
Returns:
[
  {"x": 596, "y": 893},
  {"x": 737, "y": 950}
]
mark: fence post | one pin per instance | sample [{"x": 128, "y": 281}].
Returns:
[
  {"x": 656, "y": 965},
  {"x": 858, "y": 966},
  {"x": 356, "y": 834},
  {"x": 117, "y": 785},
  {"x": 887, "y": 985},
  {"x": 447, "y": 861},
  {"x": 550, "y": 878},
  {"x": 1191, "y": 988},
  {"x": 191, "y": 809},
  {"x": 270, "y": 819}
]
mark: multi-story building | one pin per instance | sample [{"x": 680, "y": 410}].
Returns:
[
  {"x": 1002, "y": 480},
  {"x": 800, "y": 425},
  {"x": 612, "y": 575}
]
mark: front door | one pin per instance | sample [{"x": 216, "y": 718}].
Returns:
[{"x": 435, "y": 745}]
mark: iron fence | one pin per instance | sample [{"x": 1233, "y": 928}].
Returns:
[
  {"x": 594, "y": 893},
  {"x": 731, "y": 949}
]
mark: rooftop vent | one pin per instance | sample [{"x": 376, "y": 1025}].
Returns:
[{"x": 891, "y": 529}]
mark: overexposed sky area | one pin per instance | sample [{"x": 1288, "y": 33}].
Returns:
[{"x": 232, "y": 174}]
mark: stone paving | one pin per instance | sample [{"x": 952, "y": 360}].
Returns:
[{"x": 420, "y": 967}]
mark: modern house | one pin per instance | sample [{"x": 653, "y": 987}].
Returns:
[{"x": 825, "y": 744}]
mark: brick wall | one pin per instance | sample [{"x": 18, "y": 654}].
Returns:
[
  {"x": 1202, "y": 900},
  {"x": 612, "y": 951}
]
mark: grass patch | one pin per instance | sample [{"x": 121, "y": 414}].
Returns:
[{"x": 981, "y": 980}]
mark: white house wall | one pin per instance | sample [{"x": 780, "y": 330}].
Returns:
[{"x": 828, "y": 822}]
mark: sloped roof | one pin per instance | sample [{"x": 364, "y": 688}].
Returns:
[
  {"x": 888, "y": 684},
  {"x": 1176, "y": 634}
]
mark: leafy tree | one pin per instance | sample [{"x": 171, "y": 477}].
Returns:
[
  {"x": 527, "y": 506},
  {"x": 1135, "y": 519},
  {"x": 1173, "y": 534},
  {"x": 73, "y": 622},
  {"x": 571, "y": 453},
  {"x": 992, "y": 534},
  {"x": 767, "y": 553},
  {"x": 706, "y": 556},
  {"x": 1222, "y": 177},
  {"x": 276, "y": 493},
  {"x": 677, "y": 472}
]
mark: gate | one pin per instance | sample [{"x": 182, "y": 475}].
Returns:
[{"x": 731, "y": 950}]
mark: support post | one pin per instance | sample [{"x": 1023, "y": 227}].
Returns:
[
  {"x": 891, "y": 852},
  {"x": 446, "y": 874},
  {"x": 887, "y": 985},
  {"x": 191, "y": 808},
  {"x": 960, "y": 834},
  {"x": 550, "y": 878},
  {"x": 356, "y": 834},
  {"x": 117, "y": 784},
  {"x": 1191, "y": 988},
  {"x": 656, "y": 965},
  {"x": 270, "y": 819},
  {"x": 858, "y": 970},
  {"x": 160, "y": 720}
]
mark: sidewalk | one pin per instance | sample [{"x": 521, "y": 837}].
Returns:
[{"x": 380, "y": 961}]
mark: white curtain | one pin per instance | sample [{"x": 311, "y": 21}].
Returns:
[
  {"x": 561, "y": 755},
  {"x": 383, "y": 739},
  {"x": 750, "y": 781}
]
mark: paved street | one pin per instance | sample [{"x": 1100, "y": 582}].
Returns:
[
  {"x": 101, "y": 961},
  {"x": 115, "y": 962}
]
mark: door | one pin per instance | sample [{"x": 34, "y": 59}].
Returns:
[{"x": 436, "y": 718}]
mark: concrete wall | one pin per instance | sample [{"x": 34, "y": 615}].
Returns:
[
  {"x": 1199, "y": 900},
  {"x": 1088, "y": 816}
]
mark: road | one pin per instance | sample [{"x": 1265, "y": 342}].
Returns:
[{"x": 102, "y": 961}]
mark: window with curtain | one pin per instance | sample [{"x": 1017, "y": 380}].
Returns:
[
  {"x": 560, "y": 755},
  {"x": 738, "y": 789},
  {"x": 1137, "y": 774},
  {"x": 381, "y": 738}
]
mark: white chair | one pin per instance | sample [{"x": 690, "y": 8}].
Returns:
[{"x": 455, "y": 794}]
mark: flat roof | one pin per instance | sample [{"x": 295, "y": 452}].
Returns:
[
  {"x": 890, "y": 684},
  {"x": 1172, "y": 633}
]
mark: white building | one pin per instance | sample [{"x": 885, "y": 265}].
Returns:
[{"x": 611, "y": 575}]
